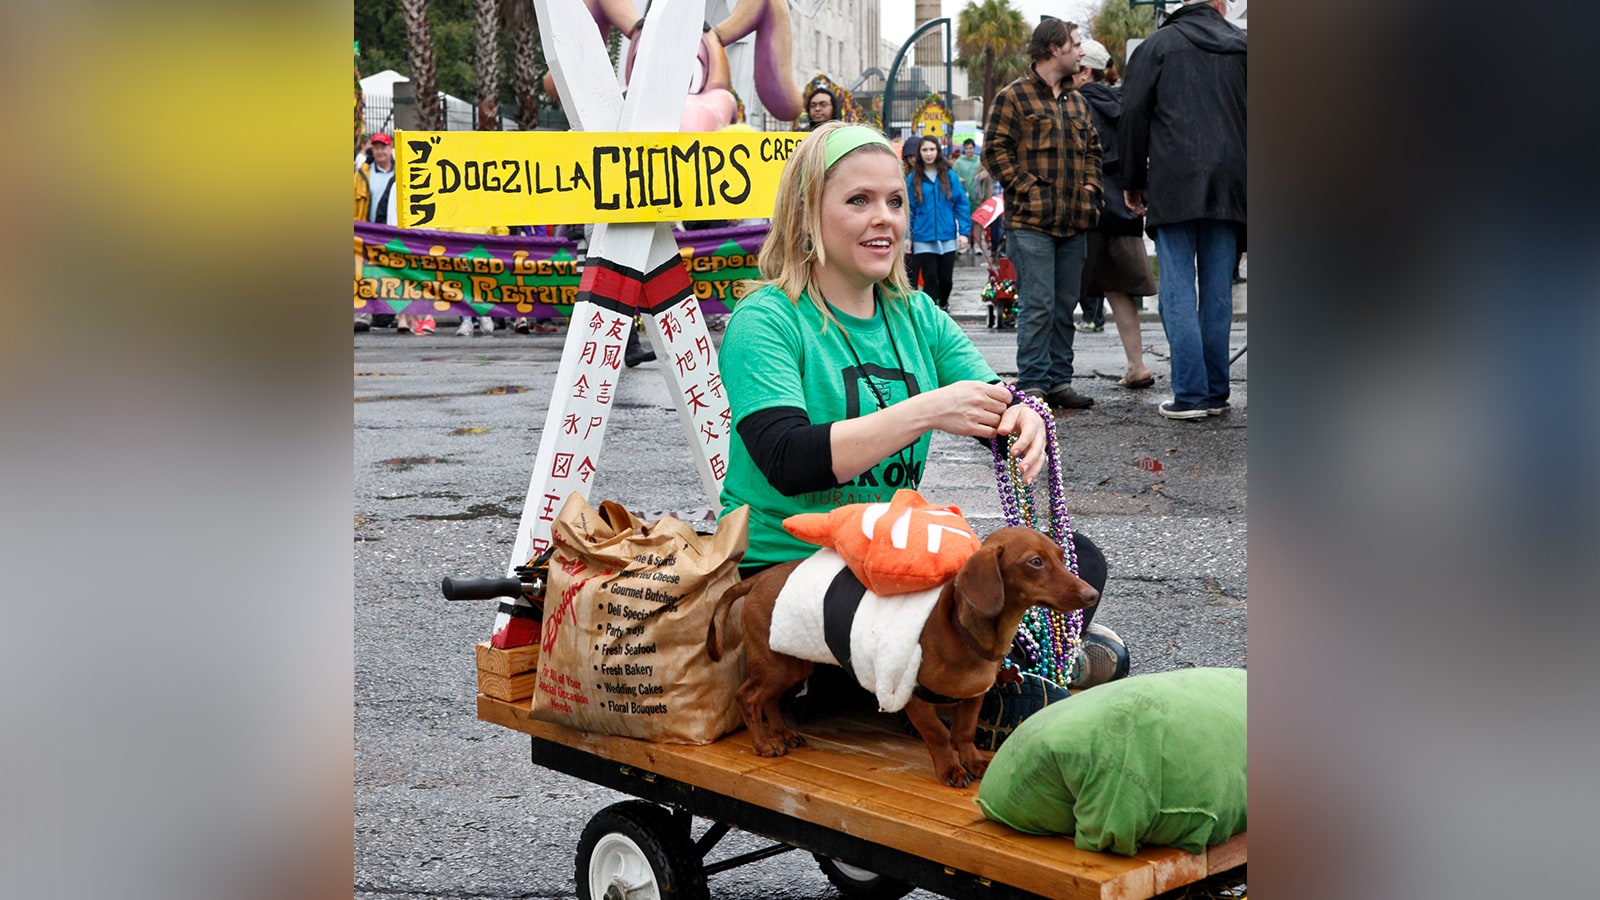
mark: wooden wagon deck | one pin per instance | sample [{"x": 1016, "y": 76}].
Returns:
[{"x": 861, "y": 780}]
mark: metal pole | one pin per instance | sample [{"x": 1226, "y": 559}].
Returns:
[
  {"x": 888, "y": 88},
  {"x": 949, "y": 77}
]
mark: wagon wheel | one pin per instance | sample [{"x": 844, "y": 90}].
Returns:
[
  {"x": 635, "y": 851},
  {"x": 860, "y": 884}
]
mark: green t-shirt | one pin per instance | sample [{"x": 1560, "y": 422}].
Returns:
[{"x": 776, "y": 353}]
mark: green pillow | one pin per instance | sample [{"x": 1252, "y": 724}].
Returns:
[{"x": 1152, "y": 759}]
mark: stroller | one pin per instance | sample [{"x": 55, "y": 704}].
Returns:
[{"x": 1000, "y": 293}]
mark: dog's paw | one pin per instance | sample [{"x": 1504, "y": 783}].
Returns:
[
  {"x": 769, "y": 748},
  {"x": 974, "y": 763},
  {"x": 794, "y": 741},
  {"x": 956, "y": 777}
]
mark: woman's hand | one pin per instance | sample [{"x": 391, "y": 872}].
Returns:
[
  {"x": 961, "y": 242},
  {"x": 1023, "y": 422},
  {"x": 969, "y": 408}
]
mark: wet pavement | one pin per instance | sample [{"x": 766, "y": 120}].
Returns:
[{"x": 446, "y": 429}]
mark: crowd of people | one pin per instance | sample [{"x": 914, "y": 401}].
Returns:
[{"x": 1087, "y": 163}]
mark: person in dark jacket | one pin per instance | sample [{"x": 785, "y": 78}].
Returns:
[
  {"x": 821, "y": 106},
  {"x": 1116, "y": 267},
  {"x": 1093, "y": 306},
  {"x": 1183, "y": 165}
]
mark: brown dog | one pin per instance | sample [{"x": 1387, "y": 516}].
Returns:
[{"x": 963, "y": 642}]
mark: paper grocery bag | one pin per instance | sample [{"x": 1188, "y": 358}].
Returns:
[{"x": 625, "y": 620}]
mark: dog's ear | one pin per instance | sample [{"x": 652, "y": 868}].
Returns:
[{"x": 979, "y": 583}]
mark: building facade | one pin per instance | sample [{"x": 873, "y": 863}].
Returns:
[{"x": 838, "y": 38}]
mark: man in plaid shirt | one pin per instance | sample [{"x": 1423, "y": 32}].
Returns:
[{"x": 1041, "y": 145}]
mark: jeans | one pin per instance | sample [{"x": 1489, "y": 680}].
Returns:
[
  {"x": 1197, "y": 326},
  {"x": 1049, "y": 277}
]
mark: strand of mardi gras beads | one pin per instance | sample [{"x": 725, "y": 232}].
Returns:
[{"x": 1055, "y": 637}]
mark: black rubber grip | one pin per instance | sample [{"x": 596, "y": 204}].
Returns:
[{"x": 481, "y": 588}]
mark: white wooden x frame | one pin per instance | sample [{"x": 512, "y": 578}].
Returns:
[{"x": 628, "y": 268}]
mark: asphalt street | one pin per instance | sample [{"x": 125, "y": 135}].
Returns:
[{"x": 446, "y": 429}]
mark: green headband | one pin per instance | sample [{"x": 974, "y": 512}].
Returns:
[{"x": 842, "y": 140}]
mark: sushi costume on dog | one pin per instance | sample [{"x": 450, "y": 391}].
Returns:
[{"x": 824, "y": 614}]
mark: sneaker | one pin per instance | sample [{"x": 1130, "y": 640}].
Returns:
[
  {"x": 363, "y": 321},
  {"x": 1067, "y": 398},
  {"x": 1216, "y": 407},
  {"x": 486, "y": 324},
  {"x": 1177, "y": 409},
  {"x": 1102, "y": 658},
  {"x": 520, "y": 325},
  {"x": 545, "y": 326},
  {"x": 424, "y": 325},
  {"x": 465, "y": 328},
  {"x": 1083, "y": 327}
]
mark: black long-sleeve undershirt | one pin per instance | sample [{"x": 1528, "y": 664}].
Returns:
[{"x": 795, "y": 456}]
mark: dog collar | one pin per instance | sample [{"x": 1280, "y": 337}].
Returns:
[{"x": 927, "y": 696}]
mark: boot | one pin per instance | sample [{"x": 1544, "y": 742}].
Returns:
[{"x": 636, "y": 353}]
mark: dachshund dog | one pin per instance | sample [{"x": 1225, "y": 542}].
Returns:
[{"x": 963, "y": 643}]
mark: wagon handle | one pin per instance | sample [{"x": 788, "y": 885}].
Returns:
[
  {"x": 481, "y": 588},
  {"x": 528, "y": 583}
]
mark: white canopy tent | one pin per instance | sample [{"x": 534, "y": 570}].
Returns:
[{"x": 377, "y": 92}]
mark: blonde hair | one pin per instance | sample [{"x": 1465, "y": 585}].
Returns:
[{"x": 791, "y": 247}]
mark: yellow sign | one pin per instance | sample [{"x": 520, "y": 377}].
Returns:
[
  {"x": 932, "y": 118},
  {"x": 448, "y": 179}
]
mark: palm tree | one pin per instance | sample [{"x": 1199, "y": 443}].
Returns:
[
  {"x": 1116, "y": 21},
  {"x": 990, "y": 39},
  {"x": 486, "y": 22},
  {"x": 518, "y": 18},
  {"x": 419, "y": 47}
]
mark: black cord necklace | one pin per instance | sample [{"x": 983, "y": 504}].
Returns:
[{"x": 877, "y": 312}]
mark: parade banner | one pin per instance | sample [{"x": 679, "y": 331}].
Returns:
[
  {"x": 450, "y": 179},
  {"x": 424, "y": 272}
]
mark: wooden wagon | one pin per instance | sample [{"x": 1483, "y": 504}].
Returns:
[{"x": 861, "y": 797}]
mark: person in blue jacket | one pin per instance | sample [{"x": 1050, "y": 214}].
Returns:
[{"x": 941, "y": 219}]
